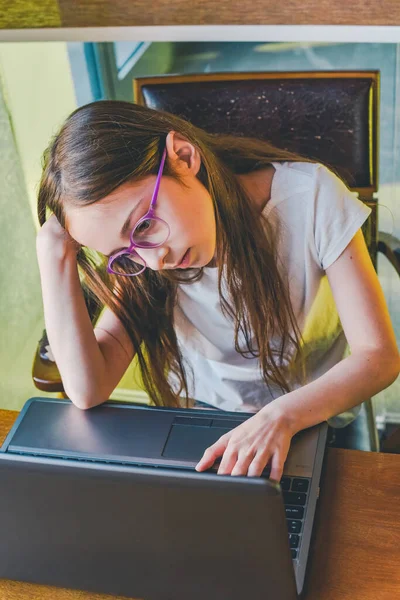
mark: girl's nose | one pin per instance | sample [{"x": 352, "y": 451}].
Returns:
[{"x": 154, "y": 257}]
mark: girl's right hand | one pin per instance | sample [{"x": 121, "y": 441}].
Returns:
[{"x": 52, "y": 237}]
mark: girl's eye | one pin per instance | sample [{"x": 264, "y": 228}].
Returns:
[{"x": 143, "y": 227}]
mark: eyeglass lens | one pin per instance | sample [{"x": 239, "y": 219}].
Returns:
[{"x": 149, "y": 233}]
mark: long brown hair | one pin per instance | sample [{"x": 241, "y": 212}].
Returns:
[{"x": 105, "y": 144}]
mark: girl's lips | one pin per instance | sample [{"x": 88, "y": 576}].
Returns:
[{"x": 185, "y": 260}]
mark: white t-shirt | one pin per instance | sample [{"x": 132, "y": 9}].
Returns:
[{"x": 317, "y": 216}]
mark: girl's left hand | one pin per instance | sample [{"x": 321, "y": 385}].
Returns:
[{"x": 247, "y": 449}]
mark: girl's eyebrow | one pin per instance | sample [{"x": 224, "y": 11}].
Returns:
[{"x": 126, "y": 225}]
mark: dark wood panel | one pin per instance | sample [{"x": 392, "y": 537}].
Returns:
[
  {"x": 357, "y": 524},
  {"x": 7, "y": 418},
  {"x": 21, "y": 14},
  {"x": 103, "y": 13}
]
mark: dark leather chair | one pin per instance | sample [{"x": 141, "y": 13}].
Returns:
[{"x": 328, "y": 116}]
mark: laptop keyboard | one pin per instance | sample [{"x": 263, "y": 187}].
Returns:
[{"x": 295, "y": 495}]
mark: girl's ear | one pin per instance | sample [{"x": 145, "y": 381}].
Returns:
[{"x": 182, "y": 155}]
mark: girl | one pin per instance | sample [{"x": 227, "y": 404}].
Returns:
[{"x": 235, "y": 271}]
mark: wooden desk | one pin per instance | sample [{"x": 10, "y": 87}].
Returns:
[{"x": 355, "y": 551}]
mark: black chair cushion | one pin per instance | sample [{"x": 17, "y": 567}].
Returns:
[{"x": 327, "y": 119}]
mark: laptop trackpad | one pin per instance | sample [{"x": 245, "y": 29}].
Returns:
[{"x": 186, "y": 442}]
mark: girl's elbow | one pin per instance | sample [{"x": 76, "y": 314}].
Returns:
[
  {"x": 391, "y": 367},
  {"x": 81, "y": 404},
  {"x": 85, "y": 401},
  {"x": 396, "y": 367}
]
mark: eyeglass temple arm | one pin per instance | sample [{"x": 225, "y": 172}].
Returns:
[{"x": 158, "y": 181}]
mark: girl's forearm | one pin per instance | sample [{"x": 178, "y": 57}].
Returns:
[
  {"x": 350, "y": 382},
  {"x": 70, "y": 331}
]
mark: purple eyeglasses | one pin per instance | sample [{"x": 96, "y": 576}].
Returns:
[{"x": 149, "y": 232}]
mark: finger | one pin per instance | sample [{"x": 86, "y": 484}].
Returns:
[
  {"x": 244, "y": 460},
  {"x": 276, "y": 467},
  {"x": 228, "y": 461},
  {"x": 258, "y": 464},
  {"x": 211, "y": 454}
]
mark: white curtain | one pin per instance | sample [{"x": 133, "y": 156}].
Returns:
[{"x": 21, "y": 318}]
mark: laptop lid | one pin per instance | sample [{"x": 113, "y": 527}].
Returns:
[
  {"x": 158, "y": 534},
  {"x": 129, "y": 434}
]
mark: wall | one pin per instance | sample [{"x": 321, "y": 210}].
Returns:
[
  {"x": 36, "y": 94},
  {"x": 39, "y": 93}
]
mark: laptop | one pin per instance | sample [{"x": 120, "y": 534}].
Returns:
[{"x": 108, "y": 500}]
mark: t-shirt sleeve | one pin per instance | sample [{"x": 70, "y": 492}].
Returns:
[{"x": 338, "y": 215}]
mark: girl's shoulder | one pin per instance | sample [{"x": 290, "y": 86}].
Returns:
[
  {"x": 292, "y": 178},
  {"x": 308, "y": 170}
]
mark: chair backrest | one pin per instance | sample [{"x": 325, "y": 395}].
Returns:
[{"x": 331, "y": 117}]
